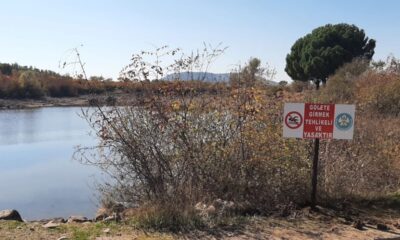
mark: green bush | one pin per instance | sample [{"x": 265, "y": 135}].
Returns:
[{"x": 30, "y": 85}]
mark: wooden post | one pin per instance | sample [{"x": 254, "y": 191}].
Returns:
[{"x": 315, "y": 174}]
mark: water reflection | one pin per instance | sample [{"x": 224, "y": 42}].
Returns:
[{"x": 37, "y": 174}]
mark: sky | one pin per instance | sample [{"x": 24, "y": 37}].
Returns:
[{"x": 40, "y": 33}]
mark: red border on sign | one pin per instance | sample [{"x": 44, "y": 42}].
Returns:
[{"x": 299, "y": 124}]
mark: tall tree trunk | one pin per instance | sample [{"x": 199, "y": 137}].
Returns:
[
  {"x": 323, "y": 82},
  {"x": 317, "y": 82}
]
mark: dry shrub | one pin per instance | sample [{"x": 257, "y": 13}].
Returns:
[
  {"x": 299, "y": 86},
  {"x": 379, "y": 92},
  {"x": 176, "y": 148},
  {"x": 169, "y": 218},
  {"x": 367, "y": 166},
  {"x": 341, "y": 86},
  {"x": 186, "y": 150}
]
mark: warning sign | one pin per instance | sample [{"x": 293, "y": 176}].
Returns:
[
  {"x": 318, "y": 121},
  {"x": 314, "y": 120},
  {"x": 293, "y": 120}
]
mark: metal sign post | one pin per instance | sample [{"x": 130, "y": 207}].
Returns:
[
  {"x": 315, "y": 174},
  {"x": 318, "y": 121}
]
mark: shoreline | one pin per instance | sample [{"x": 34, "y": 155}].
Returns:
[
  {"x": 79, "y": 101},
  {"x": 14, "y": 104}
]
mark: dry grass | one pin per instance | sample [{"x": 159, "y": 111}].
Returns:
[{"x": 300, "y": 224}]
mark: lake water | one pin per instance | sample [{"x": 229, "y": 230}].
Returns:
[{"x": 37, "y": 174}]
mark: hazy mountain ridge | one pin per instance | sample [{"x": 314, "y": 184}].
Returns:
[{"x": 204, "y": 76}]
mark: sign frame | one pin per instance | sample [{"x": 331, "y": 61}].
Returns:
[{"x": 319, "y": 121}]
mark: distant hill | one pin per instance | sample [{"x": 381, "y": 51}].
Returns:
[
  {"x": 7, "y": 69},
  {"x": 205, "y": 76},
  {"x": 202, "y": 76}
]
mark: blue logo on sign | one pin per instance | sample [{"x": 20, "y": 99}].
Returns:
[{"x": 344, "y": 121}]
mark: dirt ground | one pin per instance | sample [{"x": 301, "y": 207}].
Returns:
[{"x": 301, "y": 224}]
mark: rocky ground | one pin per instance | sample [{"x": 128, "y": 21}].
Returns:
[{"x": 371, "y": 223}]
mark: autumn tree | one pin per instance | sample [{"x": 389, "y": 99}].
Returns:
[{"x": 251, "y": 74}]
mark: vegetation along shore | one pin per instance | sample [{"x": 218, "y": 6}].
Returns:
[{"x": 196, "y": 159}]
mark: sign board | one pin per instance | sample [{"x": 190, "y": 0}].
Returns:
[{"x": 314, "y": 120}]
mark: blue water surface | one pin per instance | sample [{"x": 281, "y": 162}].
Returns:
[{"x": 38, "y": 176}]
